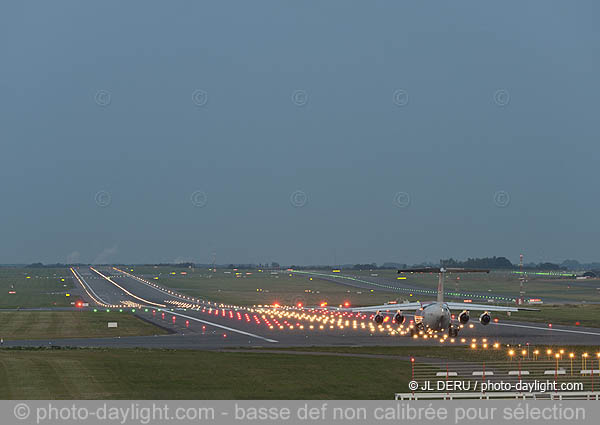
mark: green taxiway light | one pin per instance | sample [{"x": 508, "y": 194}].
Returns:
[
  {"x": 133, "y": 310},
  {"x": 120, "y": 310},
  {"x": 108, "y": 310},
  {"x": 95, "y": 310}
]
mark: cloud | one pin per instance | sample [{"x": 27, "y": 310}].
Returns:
[
  {"x": 73, "y": 257},
  {"x": 180, "y": 260},
  {"x": 105, "y": 255}
]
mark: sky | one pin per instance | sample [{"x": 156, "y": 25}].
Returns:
[{"x": 302, "y": 132}]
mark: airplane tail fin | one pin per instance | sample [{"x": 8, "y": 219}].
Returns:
[
  {"x": 440, "y": 290},
  {"x": 441, "y": 272}
]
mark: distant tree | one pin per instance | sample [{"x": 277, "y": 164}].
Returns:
[
  {"x": 481, "y": 263},
  {"x": 365, "y": 266},
  {"x": 571, "y": 265},
  {"x": 550, "y": 266},
  {"x": 394, "y": 266}
]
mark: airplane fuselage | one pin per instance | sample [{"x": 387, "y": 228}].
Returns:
[{"x": 435, "y": 317}]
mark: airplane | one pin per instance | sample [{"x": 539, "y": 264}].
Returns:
[{"x": 436, "y": 316}]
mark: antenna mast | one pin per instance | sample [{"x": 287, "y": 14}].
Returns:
[{"x": 521, "y": 299}]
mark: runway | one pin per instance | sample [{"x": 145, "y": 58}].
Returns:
[{"x": 198, "y": 324}]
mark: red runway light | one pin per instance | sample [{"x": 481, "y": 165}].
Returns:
[
  {"x": 577, "y": 323},
  {"x": 187, "y": 323},
  {"x": 549, "y": 325},
  {"x": 163, "y": 315},
  {"x": 173, "y": 319},
  {"x": 346, "y": 304}
]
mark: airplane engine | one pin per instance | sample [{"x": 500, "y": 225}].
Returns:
[
  {"x": 485, "y": 318},
  {"x": 378, "y": 318},
  {"x": 463, "y": 317},
  {"x": 398, "y": 318}
]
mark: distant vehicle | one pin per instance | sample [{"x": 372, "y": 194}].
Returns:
[{"x": 535, "y": 301}]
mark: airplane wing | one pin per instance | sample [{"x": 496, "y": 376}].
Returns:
[
  {"x": 486, "y": 307},
  {"x": 385, "y": 307}
]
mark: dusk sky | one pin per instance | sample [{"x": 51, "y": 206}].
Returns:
[{"x": 302, "y": 132}]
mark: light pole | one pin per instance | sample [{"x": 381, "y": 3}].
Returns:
[{"x": 571, "y": 355}]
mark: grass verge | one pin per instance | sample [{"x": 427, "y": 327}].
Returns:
[
  {"x": 71, "y": 324},
  {"x": 182, "y": 374}
]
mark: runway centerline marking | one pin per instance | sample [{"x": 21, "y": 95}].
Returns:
[
  {"x": 162, "y": 290},
  {"x": 548, "y": 329},
  {"x": 126, "y": 291},
  {"x": 221, "y": 326},
  {"x": 87, "y": 286}
]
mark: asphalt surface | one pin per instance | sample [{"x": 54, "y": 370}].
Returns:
[{"x": 197, "y": 324}]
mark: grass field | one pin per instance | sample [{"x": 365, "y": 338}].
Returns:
[
  {"x": 562, "y": 314},
  {"x": 162, "y": 374},
  {"x": 186, "y": 374},
  {"x": 226, "y": 288},
  {"x": 262, "y": 287},
  {"x": 71, "y": 324},
  {"x": 35, "y": 287},
  {"x": 259, "y": 287},
  {"x": 500, "y": 283},
  {"x": 456, "y": 353}
]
